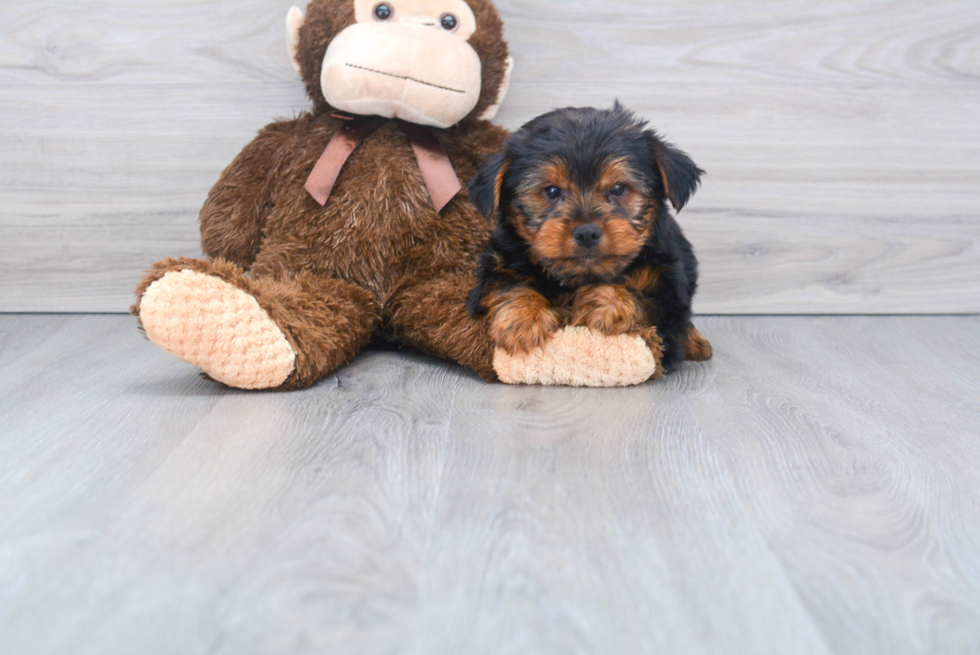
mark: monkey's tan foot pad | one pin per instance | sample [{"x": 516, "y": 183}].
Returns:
[
  {"x": 218, "y": 328},
  {"x": 579, "y": 357}
]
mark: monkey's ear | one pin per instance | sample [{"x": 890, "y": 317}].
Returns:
[
  {"x": 294, "y": 21},
  {"x": 487, "y": 186},
  {"x": 680, "y": 175},
  {"x": 491, "y": 112}
]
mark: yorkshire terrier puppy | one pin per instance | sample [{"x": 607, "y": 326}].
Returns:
[{"x": 585, "y": 236}]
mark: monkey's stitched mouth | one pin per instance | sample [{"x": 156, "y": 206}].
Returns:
[{"x": 405, "y": 77}]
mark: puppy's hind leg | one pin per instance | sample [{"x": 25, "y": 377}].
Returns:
[{"x": 696, "y": 347}]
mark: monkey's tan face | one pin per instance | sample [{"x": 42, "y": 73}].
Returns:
[{"x": 406, "y": 59}]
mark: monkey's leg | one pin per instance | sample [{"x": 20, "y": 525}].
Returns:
[
  {"x": 431, "y": 316},
  {"x": 267, "y": 333}
]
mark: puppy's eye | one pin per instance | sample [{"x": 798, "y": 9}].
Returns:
[
  {"x": 552, "y": 193},
  {"x": 619, "y": 190},
  {"x": 448, "y": 22},
  {"x": 383, "y": 12}
]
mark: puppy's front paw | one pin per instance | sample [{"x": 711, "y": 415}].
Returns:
[
  {"x": 606, "y": 308},
  {"x": 522, "y": 321}
]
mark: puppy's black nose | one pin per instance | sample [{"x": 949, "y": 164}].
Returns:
[{"x": 588, "y": 236}]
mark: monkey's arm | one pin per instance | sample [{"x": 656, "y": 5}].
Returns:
[{"x": 234, "y": 214}]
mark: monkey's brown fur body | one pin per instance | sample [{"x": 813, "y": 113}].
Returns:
[{"x": 377, "y": 259}]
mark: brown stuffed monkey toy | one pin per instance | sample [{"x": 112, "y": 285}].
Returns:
[{"x": 352, "y": 220}]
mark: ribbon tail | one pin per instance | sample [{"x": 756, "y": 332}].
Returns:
[
  {"x": 437, "y": 170},
  {"x": 343, "y": 144}
]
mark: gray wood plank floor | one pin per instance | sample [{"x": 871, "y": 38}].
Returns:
[
  {"x": 815, "y": 489},
  {"x": 840, "y": 136}
]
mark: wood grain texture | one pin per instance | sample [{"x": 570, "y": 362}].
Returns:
[
  {"x": 840, "y": 138},
  {"x": 811, "y": 490}
]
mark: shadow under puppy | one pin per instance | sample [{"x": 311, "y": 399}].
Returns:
[{"x": 585, "y": 236}]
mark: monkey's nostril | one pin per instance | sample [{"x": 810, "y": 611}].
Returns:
[{"x": 587, "y": 236}]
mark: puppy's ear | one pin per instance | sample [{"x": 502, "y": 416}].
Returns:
[
  {"x": 486, "y": 187},
  {"x": 680, "y": 175}
]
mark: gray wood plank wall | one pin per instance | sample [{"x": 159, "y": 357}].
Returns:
[{"x": 842, "y": 139}]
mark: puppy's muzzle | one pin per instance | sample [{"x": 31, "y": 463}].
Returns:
[{"x": 587, "y": 236}]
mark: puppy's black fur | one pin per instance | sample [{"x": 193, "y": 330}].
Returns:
[{"x": 533, "y": 246}]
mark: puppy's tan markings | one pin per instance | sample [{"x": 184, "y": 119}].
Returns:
[
  {"x": 656, "y": 346},
  {"x": 615, "y": 171},
  {"x": 555, "y": 171},
  {"x": 622, "y": 240},
  {"x": 611, "y": 309},
  {"x": 513, "y": 279},
  {"x": 550, "y": 173},
  {"x": 696, "y": 347},
  {"x": 498, "y": 188},
  {"x": 618, "y": 170},
  {"x": 644, "y": 280},
  {"x": 553, "y": 241},
  {"x": 521, "y": 320}
]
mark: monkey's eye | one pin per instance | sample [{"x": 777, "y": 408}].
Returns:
[
  {"x": 383, "y": 12},
  {"x": 449, "y": 22},
  {"x": 552, "y": 192},
  {"x": 619, "y": 190}
]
